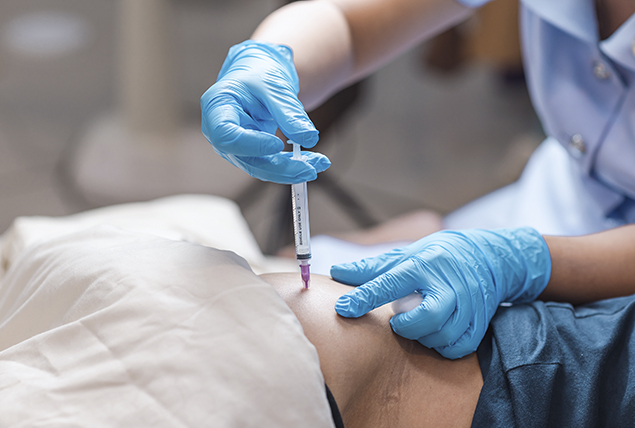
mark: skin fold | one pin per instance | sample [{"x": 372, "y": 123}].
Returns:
[{"x": 379, "y": 379}]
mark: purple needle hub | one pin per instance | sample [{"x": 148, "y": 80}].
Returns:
[{"x": 306, "y": 274}]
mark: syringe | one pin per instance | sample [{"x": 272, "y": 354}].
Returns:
[{"x": 301, "y": 223}]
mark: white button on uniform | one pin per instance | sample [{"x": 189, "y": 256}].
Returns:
[
  {"x": 601, "y": 71},
  {"x": 577, "y": 144}
]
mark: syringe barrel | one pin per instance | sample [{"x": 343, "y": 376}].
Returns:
[{"x": 301, "y": 221}]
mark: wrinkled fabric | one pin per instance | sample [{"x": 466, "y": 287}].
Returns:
[
  {"x": 582, "y": 90},
  {"x": 106, "y": 327},
  {"x": 555, "y": 365},
  {"x": 568, "y": 208},
  {"x": 562, "y": 51}
]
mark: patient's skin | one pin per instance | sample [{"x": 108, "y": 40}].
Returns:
[{"x": 379, "y": 379}]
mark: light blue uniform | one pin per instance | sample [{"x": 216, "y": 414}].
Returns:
[{"x": 582, "y": 178}]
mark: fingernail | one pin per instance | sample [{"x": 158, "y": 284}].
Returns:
[
  {"x": 346, "y": 306},
  {"x": 308, "y": 176},
  {"x": 392, "y": 325},
  {"x": 274, "y": 147},
  {"x": 344, "y": 266},
  {"x": 309, "y": 137},
  {"x": 339, "y": 272},
  {"x": 323, "y": 164}
]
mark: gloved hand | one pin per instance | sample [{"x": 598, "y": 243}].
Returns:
[
  {"x": 463, "y": 277},
  {"x": 256, "y": 93}
]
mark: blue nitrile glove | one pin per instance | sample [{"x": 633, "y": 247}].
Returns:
[
  {"x": 256, "y": 93},
  {"x": 463, "y": 277}
]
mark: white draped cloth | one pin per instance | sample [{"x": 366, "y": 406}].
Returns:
[{"x": 106, "y": 327}]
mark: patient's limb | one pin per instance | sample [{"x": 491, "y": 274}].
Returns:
[{"x": 378, "y": 378}]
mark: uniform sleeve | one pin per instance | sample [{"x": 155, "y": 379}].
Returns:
[{"x": 473, "y": 3}]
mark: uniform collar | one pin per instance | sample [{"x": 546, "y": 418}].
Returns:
[
  {"x": 620, "y": 47},
  {"x": 576, "y": 17}
]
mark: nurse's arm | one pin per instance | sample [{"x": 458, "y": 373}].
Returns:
[
  {"x": 336, "y": 42},
  {"x": 592, "y": 267}
]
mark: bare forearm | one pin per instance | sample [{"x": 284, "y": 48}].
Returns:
[
  {"x": 592, "y": 267},
  {"x": 338, "y": 41}
]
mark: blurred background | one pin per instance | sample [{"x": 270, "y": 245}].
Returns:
[{"x": 99, "y": 104}]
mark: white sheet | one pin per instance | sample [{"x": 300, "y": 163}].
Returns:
[{"x": 110, "y": 328}]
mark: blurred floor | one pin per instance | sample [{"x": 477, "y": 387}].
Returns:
[{"x": 417, "y": 140}]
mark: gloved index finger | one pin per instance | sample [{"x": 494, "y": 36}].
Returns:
[
  {"x": 223, "y": 127},
  {"x": 290, "y": 116},
  {"x": 387, "y": 287},
  {"x": 365, "y": 270}
]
